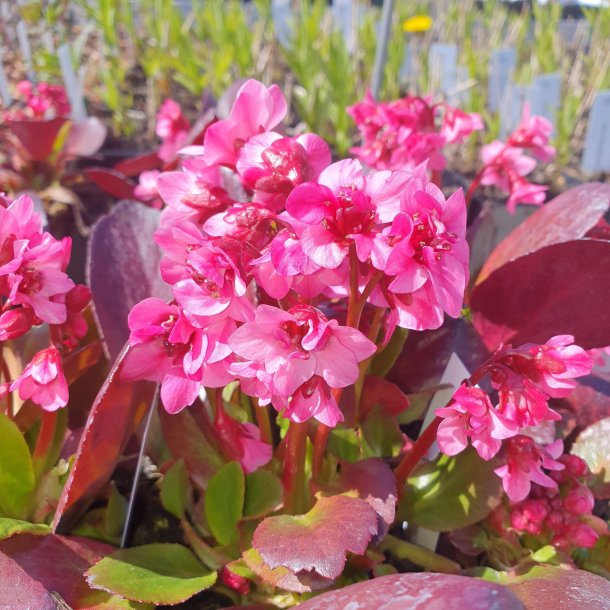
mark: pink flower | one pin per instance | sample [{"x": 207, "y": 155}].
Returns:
[
  {"x": 458, "y": 125},
  {"x": 75, "y": 327},
  {"x": 14, "y": 323},
  {"x": 172, "y": 128},
  {"x": 525, "y": 460},
  {"x": 527, "y": 376},
  {"x": 241, "y": 442},
  {"x": 284, "y": 350},
  {"x": 273, "y": 166},
  {"x": 522, "y": 191},
  {"x": 194, "y": 194},
  {"x": 471, "y": 414},
  {"x": 40, "y": 277},
  {"x": 43, "y": 381},
  {"x": 428, "y": 267},
  {"x": 256, "y": 109},
  {"x": 533, "y": 133},
  {"x": 168, "y": 349},
  {"x": 147, "y": 190},
  {"x": 345, "y": 207},
  {"x": 42, "y": 101},
  {"x": 18, "y": 222},
  {"x": 529, "y": 515}
]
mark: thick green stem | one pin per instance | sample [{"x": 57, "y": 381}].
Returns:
[{"x": 401, "y": 549}]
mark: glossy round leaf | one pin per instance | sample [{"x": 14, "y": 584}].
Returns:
[{"x": 155, "y": 573}]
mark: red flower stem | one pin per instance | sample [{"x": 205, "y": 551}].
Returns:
[
  {"x": 437, "y": 178},
  {"x": 419, "y": 449},
  {"x": 474, "y": 185},
  {"x": 264, "y": 423},
  {"x": 364, "y": 365},
  {"x": 5, "y": 377},
  {"x": 293, "y": 477},
  {"x": 44, "y": 441}
]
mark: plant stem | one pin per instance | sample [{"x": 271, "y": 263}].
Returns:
[
  {"x": 419, "y": 449},
  {"x": 44, "y": 441},
  {"x": 474, "y": 185},
  {"x": 264, "y": 423},
  {"x": 364, "y": 365},
  {"x": 401, "y": 549},
  {"x": 319, "y": 448},
  {"x": 294, "y": 469}
]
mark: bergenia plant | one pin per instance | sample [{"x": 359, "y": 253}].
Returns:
[
  {"x": 294, "y": 319},
  {"x": 39, "y": 141},
  {"x": 294, "y": 281}
]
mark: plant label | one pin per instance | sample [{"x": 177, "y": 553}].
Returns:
[
  {"x": 5, "y": 94},
  {"x": 511, "y": 108},
  {"x": 345, "y": 12},
  {"x": 282, "y": 15},
  {"x": 544, "y": 96},
  {"x": 72, "y": 83},
  {"x": 26, "y": 50},
  {"x": 442, "y": 64},
  {"x": 596, "y": 155},
  {"x": 455, "y": 372},
  {"x": 501, "y": 66}
]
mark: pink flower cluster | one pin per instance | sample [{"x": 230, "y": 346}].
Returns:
[
  {"x": 34, "y": 289},
  {"x": 39, "y": 101},
  {"x": 173, "y": 129},
  {"x": 525, "y": 378},
  {"x": 406, "y": 132},
  {"x": 262, "y": 238},
  {"x": 506, "y": 164},
  {"x": 560, "y": 509}
]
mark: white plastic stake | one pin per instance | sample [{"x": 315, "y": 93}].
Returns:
[
  {"x": 511, "y": 108},
  {"x": 442, "y": 64},
  {"x": 596, "y": 155},
  {"x": 343, "y": 12},
  {"x": 381, "y": 52},
  {"x": 26, "y": 50},
  {"x": 544, "y": 96},
  {"x": 72, "y": 84},
  {"x": 5, "y": 94},
  {"x": 455, "y": 372},
  {"x": 501, "y": 67},
  {"x": 282, "y": 14}
]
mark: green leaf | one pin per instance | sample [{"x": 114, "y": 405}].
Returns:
[
  {"x": 264, "y": 494},
  {"x": 450, "y": 492},
  {"x": 16, "y": 470},
  {"x": 345, "y": 444},
  {"x": 116, "y": 511},
  {"x": 383, "y": 362},
  {"x": 380, "y": 434},
  {"x": 224, "y": 502},
  {"x": 10, "y": 527},
  {"x": 175, "y": 489},
  {"x": 154, "y": 573}
]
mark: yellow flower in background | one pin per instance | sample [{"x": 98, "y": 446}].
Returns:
[{"x": 417, "y": 23}]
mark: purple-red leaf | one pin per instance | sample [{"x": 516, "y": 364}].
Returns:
[
  {"x": 426, "y": 354},
  {"x": 123, "y": 269},
  {"x": 567, "y": 217},
  {"x": 372, "y": 479},
  {"x": 33, "y": 569},
  {"x": 422, "y": 591},
  {"x": 560, "y": 289},
  {"x": 319, "y": 540},
  {"x": 283, "y": 578},
  {"x": 111, "y": 182},
  {"x": 37, "y": 137},
  {"x": 187, "y": 438},
  {"x": 378, "y": 390},
  {"x": 137, "y": 165},
  {"x": 118, "y": 409},
  {"x": 547, "y": 587}
]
